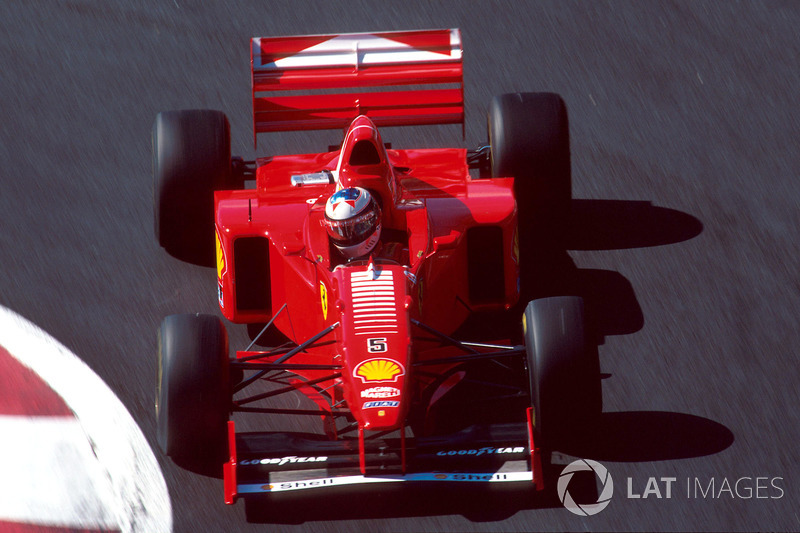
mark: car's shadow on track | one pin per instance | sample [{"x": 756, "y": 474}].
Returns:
[
  {"x": 613, "y": 309},
  {"x": 620, "y": 224},
  {"x": 611, "y": 304},
  {"x": 633, "y": 436}
]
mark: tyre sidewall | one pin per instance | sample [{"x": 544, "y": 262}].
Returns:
[
  {"x": 193, "y": 390},
  {"x": 564, "y": 381},
  {"x": 191, "y": 160},
  {"x": 529, "y": 140}
]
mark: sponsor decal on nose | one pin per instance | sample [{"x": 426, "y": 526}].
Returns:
[{"x": 379, "y": 370}]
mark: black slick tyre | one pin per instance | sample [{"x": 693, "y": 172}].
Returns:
[
  {"x": 191, "y": 159},
  {"x": 529, "y": 141},
  {"x": 563, "y": 373},
  {"x": 193, "y": 394}
]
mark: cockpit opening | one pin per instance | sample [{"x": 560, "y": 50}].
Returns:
[{"x": 364, "y": 153}]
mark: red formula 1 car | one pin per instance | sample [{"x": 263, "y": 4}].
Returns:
[{"x": 388, "y": 286}]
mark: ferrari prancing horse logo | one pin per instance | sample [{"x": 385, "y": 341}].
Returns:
[{"x": 323, "y": 296}]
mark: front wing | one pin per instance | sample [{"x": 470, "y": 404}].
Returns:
[{"x": 264, "y": 463}]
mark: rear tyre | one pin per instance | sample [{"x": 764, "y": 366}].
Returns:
[
  {"x": 193, "y": 392},
  {"x": 529, "y": 140},
  {"x": 564, "y": 374},
  {"x": 191, "y": 159}
]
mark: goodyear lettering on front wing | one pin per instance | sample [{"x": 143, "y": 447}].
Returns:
[
  {"x": 279, "y": 461},
  {"x": 486, "y": 450}
]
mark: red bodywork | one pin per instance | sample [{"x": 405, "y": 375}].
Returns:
[
  {"x": 274, "y": 259},
  {"x": 431, "y": 203}
]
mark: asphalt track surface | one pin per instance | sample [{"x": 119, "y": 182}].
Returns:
[{"x": 685, "y": 167}]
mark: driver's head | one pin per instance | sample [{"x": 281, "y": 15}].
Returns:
[{"x": 353, "y": 221}]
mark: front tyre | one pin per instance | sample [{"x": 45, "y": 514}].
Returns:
[
  {"x": 563, "y": 373},
  {"x": 193, "y": 394}
]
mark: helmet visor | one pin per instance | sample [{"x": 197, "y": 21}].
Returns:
[{"x": 354, "y": 230}]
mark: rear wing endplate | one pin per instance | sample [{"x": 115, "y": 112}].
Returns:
[{"x": 395, "y": 78}]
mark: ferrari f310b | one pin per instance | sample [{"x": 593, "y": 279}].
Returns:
[{"x": 364, "y": 274}]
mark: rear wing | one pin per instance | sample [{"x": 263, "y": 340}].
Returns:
[{"x": 334, "y": 78}]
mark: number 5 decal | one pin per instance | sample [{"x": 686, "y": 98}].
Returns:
[{"x": 376, "y": 345}]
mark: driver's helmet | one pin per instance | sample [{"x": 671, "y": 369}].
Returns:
[{"x": 353, "y": 221}]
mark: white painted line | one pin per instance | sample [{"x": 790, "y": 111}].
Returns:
[{"x": 137, "y": 499}]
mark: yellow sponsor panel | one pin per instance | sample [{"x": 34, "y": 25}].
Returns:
[{"x": 220, "y": 257}]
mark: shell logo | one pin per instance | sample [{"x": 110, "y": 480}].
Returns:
[{"x": 379, "y": 370}]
